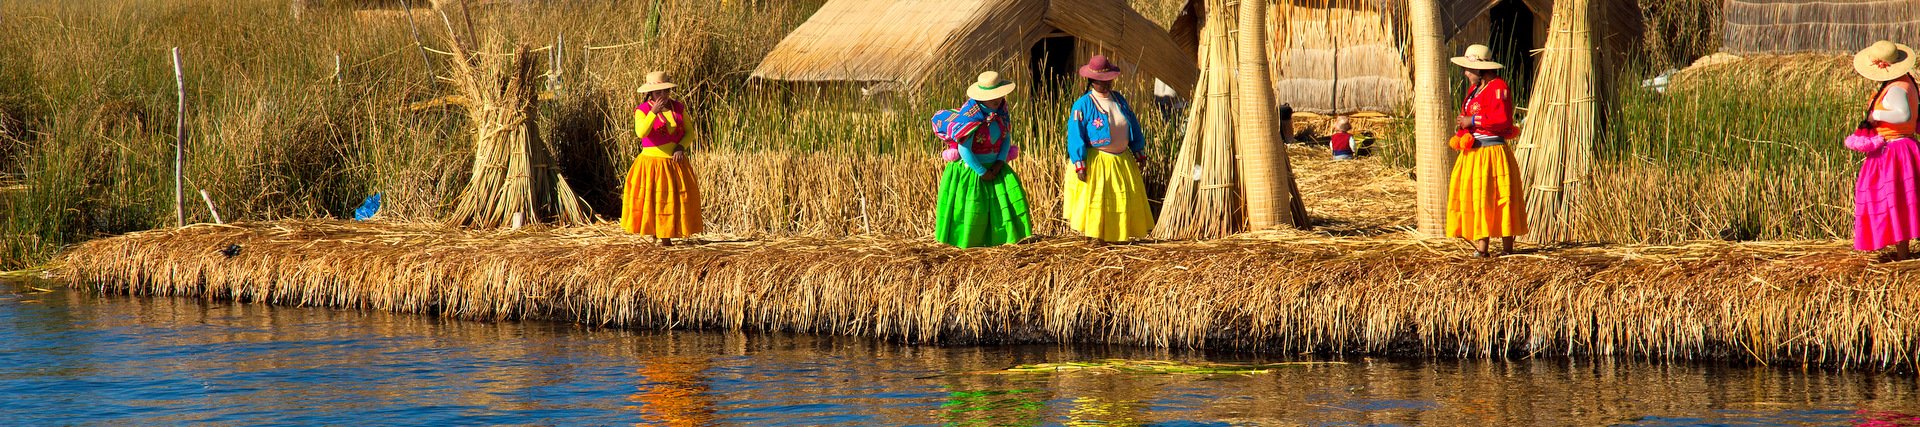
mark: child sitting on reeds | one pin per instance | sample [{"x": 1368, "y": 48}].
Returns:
[{"x": 1341, "y": 142}]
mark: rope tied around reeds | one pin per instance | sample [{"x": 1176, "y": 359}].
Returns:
[
  {"x": 1555, "y": 148},
  {"x": 511, "y": 180}
]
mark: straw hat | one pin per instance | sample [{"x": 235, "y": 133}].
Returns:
[
  {"x": 657, "y": 81},
  {"x": 989, "y": 87},
  {"x": 1884, "y": 61},
  {"x": 1341, "y": 124},
  {"x": 1478, "y": 57},
  {"x": 1098, "y": 68}
]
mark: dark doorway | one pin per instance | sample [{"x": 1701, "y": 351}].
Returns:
[
  {"x": 1051, "y": 63},
  {"x": 1511, "y": 37}
]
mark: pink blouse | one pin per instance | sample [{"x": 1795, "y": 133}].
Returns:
[{"x": 657, "y": 129}]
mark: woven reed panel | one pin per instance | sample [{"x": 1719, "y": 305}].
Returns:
[{"x": 1830, "y": 26}]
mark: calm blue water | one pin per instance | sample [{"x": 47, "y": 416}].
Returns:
[{"x": 71, "y": 358}]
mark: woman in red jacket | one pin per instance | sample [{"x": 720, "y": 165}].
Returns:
[{"x": 1485, "y": 198}]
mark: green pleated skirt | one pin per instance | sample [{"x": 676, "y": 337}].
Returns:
[{"x": 976, "y": 212}]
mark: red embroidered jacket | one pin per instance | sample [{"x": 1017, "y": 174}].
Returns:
[{"x": 1491, "y": 108}]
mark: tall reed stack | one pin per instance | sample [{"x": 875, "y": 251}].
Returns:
[
  {"x": 514, "y": 178},
  {"x": 1265, "y": 175},
  {"x": 1232, "y": 173},
  {"x": 1202, "y": 199},
  {"x": 1433, "y": 163},
  {"x": 1555, "y": 148},
  {"x": 1283, "y": 291}
]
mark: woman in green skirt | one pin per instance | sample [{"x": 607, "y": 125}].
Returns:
[{"x": 981, "y": 203}]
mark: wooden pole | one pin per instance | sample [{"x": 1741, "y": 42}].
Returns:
[
  {"x": 556, "y": 66},
  {"x": 210, "y": 209},
  {"x": 415, "y": 27},
  {"x": 179, "y": 142},
  {"x": 1333, "y": 41},
  {"x": 1433, "y": 161},
  {"x": 466, "y": 13},
  {"x": 1270, "y": 195},
  {"x": 1562, "y": 119}
]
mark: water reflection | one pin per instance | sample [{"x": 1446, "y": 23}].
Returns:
[
  {"x": 673, "y": 389},
  {"x": 114, "y": 361}
]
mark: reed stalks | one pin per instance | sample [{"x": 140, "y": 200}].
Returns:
[
  {"x": 1204, "y": 198},
  {"x": 1747, "y": 150},
  {"x": 1555, "y": 154},
  {"x": 1814, "y": 303},
  {"x": 514, "y": 178}
]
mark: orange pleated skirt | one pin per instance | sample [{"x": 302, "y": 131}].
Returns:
[
  {"x": 660, "y": 198},
  {"x": 1485, "y": 197}
]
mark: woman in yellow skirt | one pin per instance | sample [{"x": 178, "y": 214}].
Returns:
[
  {"x": 1486, "y": 199},
  {"x": 1105, "y": 196},
  {"x": 661, "y": 197}
]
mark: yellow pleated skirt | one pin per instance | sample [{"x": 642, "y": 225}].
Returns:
[
  {"x": 1111, "y": 204},
  {"x": 660, "y": 198},
  {"x": 1486, "y": 198}
]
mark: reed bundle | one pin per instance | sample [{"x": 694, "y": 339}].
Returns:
[
  {"x": 1202, "y": 200},
  {"x": 1556, "y": 148},
  {"x": 1232, "y": 170},
  {"x": 514, "y": 178},
  {"x": 1266, "y": 177},
  {"x": 1813, "y": 302},
  {"x": 1431, "y": 113}
]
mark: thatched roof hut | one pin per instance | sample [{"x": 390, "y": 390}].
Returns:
[
  {"x": 1346, "y": 56},
  {"x": 899, "y": 43},
  {"x": 1830, "y": 26}
]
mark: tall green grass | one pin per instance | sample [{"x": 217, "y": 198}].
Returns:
[{"x": 1747, "y": 150}]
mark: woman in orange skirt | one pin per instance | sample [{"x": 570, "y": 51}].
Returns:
[
  {"x": 1485, "y": 197},
  {"x": 661, "y": 197}
]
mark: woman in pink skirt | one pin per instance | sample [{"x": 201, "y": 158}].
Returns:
[{"x": 1886, "y": 198}]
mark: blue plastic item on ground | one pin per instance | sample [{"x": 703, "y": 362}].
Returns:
[{"x": 367, "y": 208}]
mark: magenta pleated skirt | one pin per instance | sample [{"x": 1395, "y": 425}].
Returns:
[{"x": 1886, "y": 198}]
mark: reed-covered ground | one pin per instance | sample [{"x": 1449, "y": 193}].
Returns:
[
  {"x": 1815, "y": 303},
  {"x": 276, "y": 131}
]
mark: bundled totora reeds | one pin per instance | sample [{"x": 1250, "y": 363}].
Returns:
[
  {"x": 1790, "y": 302},
  {"x": 1556, "y": 149}
]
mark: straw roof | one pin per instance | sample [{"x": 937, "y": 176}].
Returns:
[
  {"x": 1831, "y": 26},
  {"x": 904, "y": 41}
]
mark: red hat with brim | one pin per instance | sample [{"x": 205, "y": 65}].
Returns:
[{"x": 1098, "y": 68}]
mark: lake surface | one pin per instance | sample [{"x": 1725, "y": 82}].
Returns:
[{"x": 70, "y": 357}]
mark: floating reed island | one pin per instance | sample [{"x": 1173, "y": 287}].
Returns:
[{"x": 1284, "y": 291}]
